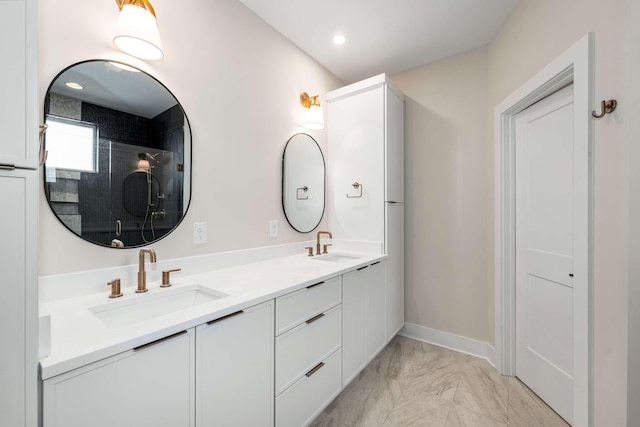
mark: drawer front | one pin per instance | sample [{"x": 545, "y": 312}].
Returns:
[
  {"x": 303, "y": 347},
  {"x": 296, "y": 307},
  {"x": 304, "y": 400}
]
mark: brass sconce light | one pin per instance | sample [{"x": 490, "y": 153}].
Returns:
[
  {"x": 314, "y": 119},
  {"x": 137, "y": 30}
]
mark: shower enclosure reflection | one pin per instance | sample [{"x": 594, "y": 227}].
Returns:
[{"x": 117, "y": 171}]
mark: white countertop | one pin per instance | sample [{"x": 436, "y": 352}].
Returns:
[{"x": 78, "y": 337}]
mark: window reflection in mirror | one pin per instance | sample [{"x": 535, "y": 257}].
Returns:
[{"x": 119, "y": 150}]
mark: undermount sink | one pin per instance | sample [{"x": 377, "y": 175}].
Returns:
[
  {"x": 145, "y": 307},
  {"x": 337, "y": 257}
]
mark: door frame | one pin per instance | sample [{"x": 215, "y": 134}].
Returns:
[{"x": 573, "y": 66}]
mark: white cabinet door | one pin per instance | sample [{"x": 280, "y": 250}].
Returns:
[
  {"x": 394, "y": 147},
  {"x": 376, "y": 308},
  {"x": 18, "y": 93},
  {"x": 395, "y": 278},
  {"x": 234, "y": 384},
  {"x": 19, "y": 296},
  {"x": 356, "y": 135},
  {"x": 303, "y": 347},
  {"x": 301, "y": 403},
  {"x": 354, "y": 324},
  {"x": 148, "y": 386}
]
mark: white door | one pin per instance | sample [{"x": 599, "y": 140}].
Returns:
[{"x": 545, "y": 246}]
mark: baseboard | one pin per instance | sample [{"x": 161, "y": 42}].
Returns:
[{"x": 454, "y": 342}]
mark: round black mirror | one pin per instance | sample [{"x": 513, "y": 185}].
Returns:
[{"x": 119, "y": 154}]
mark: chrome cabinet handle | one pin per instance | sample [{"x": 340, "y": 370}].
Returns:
[
  {"x": 314, "y": 285},
  {"x": 118, "y": 228},
  {"x": 314, "y": 318},
  {"x": 142, "y": 347},
  {"x": 237, "y": 313},
  {"x": 315, "y": 369}
]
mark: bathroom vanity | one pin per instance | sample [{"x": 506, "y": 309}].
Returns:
[{"x": 262, "y": 344}]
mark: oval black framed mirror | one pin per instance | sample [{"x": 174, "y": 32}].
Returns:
[
  {"x": 303, "y": 183},
  {"x": 118, "y": 166}
]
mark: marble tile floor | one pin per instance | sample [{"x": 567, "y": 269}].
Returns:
[{"x": 411, "y": 384}]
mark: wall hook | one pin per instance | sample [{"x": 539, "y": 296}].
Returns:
[{"x": 607, "y": 107}]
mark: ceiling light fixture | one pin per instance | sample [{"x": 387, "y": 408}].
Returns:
[
  {"x": 137, "y": 31},
  {"x": 339, "y": 39},
  {"x": 74, "y": 85},
  {"x": 314, "y": 118}
]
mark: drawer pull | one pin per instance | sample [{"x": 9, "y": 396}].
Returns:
[
  {"x": 314, "y": 318},
  {"x": 315, "y": 369},
  {"x": 377, "y": 262},
  {"x": 237, "y": 313},
  {"x": 142, "y": 347},
  {"x": 314, "y": 285},
  {"x": 362, "y": 268},
  {"x": 7, "y": 166}
]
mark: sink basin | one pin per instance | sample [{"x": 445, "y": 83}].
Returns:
[
  {"x": 126, "y": 312},
  {"x": 337, "y": 257}
]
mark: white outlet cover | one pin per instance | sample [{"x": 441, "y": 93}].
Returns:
[
  {"x": 273, "y": 228},
  {"x": 199, "y": 233}
]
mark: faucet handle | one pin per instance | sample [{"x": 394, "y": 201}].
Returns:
[
  {"x": 166, "y": 277},
  {"x": 310, "y": 249},
  {"x": 324, "y": 248},
  {"x": 115, "y": 288}
]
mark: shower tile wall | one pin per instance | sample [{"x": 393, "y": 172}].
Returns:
[{"x": 101, "y": 198}]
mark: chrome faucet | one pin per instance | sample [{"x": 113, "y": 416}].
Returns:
[
  {"x": 318, "y": 240},
  {"x": 142, "y": 275}
]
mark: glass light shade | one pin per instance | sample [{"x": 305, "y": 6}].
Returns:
[
  {"x": 137, "y": 33},
  {"x": 143, "y": 164},
  {"x": 314, "y": 119}
]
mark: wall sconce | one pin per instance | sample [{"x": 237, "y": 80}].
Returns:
[
  {"x": 313, "y": 119},
  {"x": 137, "y": 30}
]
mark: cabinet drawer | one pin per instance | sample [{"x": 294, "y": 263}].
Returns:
[
  {"x": 296, "y": 307},
  {"x": 304, "y": 400},
  {"x": 303, "y": 347}
]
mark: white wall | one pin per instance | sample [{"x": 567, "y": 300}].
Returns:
[
  {"x": 536, "y": 33},
  {"x": 239, "y": 82},
  {"x": 446, "y": 258},
  {"x": 633, "y": 145},
  {"x": 449, "y": 179}
]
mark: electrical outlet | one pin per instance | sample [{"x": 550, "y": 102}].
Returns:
[
  {"x": 273, "y": 229},
  {"x": 199, "y": 233}
]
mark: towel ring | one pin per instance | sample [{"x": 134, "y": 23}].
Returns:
[{"x": 356, "y": 185}]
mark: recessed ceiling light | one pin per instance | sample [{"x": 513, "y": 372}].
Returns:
[
  {"x": 74, "y": 85},
  {"x": 339, "y": 39}
]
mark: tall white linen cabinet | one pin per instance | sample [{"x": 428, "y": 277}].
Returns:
[
  {"x": 19, "y": 214},
  {"x": 366, "y": 185}
]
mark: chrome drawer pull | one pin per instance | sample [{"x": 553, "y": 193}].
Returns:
[
  {"x": 142, "y": 347},
  {"x": 7, "y": 166},
  {"x": 313, "y": 319},
  {"x": 237, "y": 313},
  {"x": 315, "y": 369},
  {"x": 314, "y": 285}
]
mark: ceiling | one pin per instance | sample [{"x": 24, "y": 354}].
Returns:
[
  {"x": 383, "y": 36},
  {"x": 108, "y": 86}
]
